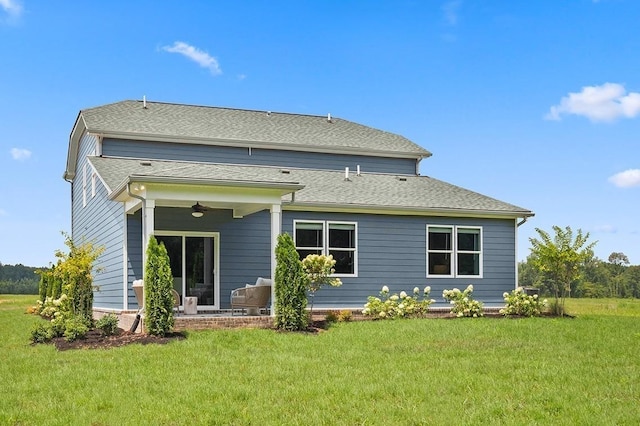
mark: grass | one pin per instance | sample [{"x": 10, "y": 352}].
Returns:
[{"x": 458, "y": 371}]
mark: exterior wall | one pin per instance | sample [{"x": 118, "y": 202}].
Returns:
[
  {"x": 101, "y": 222},
  {"x": 261, "y": 157},
  {"x": 392, "y": 252},
  {"x": 134, "y": 256},
  {"x": 245, "y": 244}
]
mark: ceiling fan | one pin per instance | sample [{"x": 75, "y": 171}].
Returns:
[{"x": 197, "y": 210}]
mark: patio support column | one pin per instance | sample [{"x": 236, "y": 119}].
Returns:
[
  {"x": 276, "y": 228},
  {"x": 148, "y": 226}
]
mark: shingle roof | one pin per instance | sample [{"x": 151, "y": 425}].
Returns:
[
  {"x": 323, "y": 188},
  {"x": 204, "y": 124}
]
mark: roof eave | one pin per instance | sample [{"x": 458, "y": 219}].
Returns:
[
  {"x": 79, "y": 128},
  {"x": 408, "y": 210},
  {"x": 243, "y": 143},
  {"x": 285, "y": 187}
]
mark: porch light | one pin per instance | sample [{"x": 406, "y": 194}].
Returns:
[{"x": 197, "y": 210}]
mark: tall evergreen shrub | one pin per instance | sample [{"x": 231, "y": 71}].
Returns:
[
  {"x": 158, "y": 283},
  {"x": 291, "y": 287}
]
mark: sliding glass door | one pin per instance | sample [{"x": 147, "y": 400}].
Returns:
[{"x": 194, "y": 266}]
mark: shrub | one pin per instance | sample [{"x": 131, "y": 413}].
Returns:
[
  {"x": 519, "y": 303},
  {"x": 41, "y": 332},
  {"x": 108, "y": 324},
  {"x": 291, "y": 287},
  {"x": 345, "y": 315},
  {"x": 158, "y": 283},
  {"x": 75, "y": 328},
  {"x": 332, "y": 316},
  {"x": 463, "y": 305},
  {"x": 398, "y": 306},
  {"x": 319, "y": 269}
]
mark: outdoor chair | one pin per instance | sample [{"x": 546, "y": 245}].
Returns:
[
  {"x": 253, "y": 297},
  {"x": 176, "y": 301}
]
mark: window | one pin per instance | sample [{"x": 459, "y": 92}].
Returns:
[
  {"x": 330, "y": 238},
  {"x": 454, "y": 251}
]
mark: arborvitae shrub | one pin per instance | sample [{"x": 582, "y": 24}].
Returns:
[
  {"x": 291, "y": 287},
  {"x": 158, "y": 283}
]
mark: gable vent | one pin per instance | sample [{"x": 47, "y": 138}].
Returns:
[{"x": 402, "y": 179}]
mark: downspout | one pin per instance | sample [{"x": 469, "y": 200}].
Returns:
[
  {"x": 518, "y": 224},
  {"x": 524, "y": 219}
]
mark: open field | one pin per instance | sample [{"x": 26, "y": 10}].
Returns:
[{"x": 436, "y": 371}]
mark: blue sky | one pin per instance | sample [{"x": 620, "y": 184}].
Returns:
[{"x": 533, "y": 103}]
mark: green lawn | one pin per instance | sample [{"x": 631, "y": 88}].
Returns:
[{"x": 436, "y": 371}]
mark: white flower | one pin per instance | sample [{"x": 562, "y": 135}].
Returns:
[
  {"x": 416, "y": 290},
  {"x": 403, "y": 295},
  {"x": 385, "y": 289},
  {"x": 505, "y": 294},
  {"x": 383, "y": 314},
  {"x": 427, "y": 290},
  {"x": 394, "y": 297}
]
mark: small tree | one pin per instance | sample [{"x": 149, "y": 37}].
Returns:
[
  {"x": 74, "y": 271},
  {"x": 158, "y": 282},
  {"x": 291, "y": 287},
  {"x": 560, "y": 259},
  {"x": 319, "y": 269}
]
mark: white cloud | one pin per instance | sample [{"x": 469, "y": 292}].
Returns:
[
  {"x": 12, "y": 7},
  {"x": 450, "y": 10},
  {"x": 242, "y": 76},
  {"x": 607, "y": 229},
  {"x": 626, "y": 179},
  {"x": 598, "y": 103},
  {"x": 200, "y": 57},
  {"x": 19, "y": 153},
  {"x": 3, "y": 212}
]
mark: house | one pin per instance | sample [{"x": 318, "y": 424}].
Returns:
[{"x": 218, "y": 185}]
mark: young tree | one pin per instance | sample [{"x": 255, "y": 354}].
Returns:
[
  {"x": 291, "y": 287},
  {"x": 158, "y": 283},
  {"x": 560, "y": 259},
  {"x": 319, "y": 269}
]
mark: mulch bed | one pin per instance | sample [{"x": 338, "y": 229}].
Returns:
[{"x": 96, "y": 340}]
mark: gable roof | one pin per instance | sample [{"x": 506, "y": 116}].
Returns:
[
  {"x": 323, "y": 189},
  {"x": 160, "y": 121}
]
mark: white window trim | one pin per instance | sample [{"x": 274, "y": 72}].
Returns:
[
  {"x": 454, "y": 252},
  {"x": 84, "y": 185},
  {"x": 325, "y": 237}
]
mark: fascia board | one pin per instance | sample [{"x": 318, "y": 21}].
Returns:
[
  {"x": 407, "y": 211},
  {"x": 241, "y": 143},
  {"x": 78, "y": 130}
]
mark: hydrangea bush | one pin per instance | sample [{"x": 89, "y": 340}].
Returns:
[
  {"x": 519, "y": 303},
  {"x": 392, "y": 306},
  {"x": 462, "y": 304}
]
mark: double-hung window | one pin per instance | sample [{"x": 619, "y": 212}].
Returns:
[
  {"x": 454, "y": 251},
  {"x": 338, "y": 239}
]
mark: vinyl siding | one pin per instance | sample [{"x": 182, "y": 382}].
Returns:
[
  {"x": 261, "y": 157},
  {"x": 134, "y": 256},
  {"x": 391, "y": 251},
  {"x": 100, "y": 221}
]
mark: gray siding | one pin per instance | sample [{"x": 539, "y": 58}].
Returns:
[
  {"x": 134, "y": 255},
  {"x": 261, "y": 157},
  {"x": 101, "y": 222},
  {"x": 245, "y": 244},
  {"x": 392, "y": 252}
]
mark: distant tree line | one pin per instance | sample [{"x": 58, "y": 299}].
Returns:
[
  {"x": 18, "y": 279},
  {"x": 597, "y": 278}
]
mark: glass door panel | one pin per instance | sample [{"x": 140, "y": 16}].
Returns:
[
  {"x": 173, "y": 244},
  {"x": 199, "y": 263}
]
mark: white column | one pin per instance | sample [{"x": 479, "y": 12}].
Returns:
[
  {"x": 148, "y": 227},
  {"x": 276, "y": 229}
]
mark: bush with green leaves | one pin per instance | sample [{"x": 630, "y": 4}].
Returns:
[
  {"x": 291, "y": 284},
  {"x": 75, "y": 328},
  {"x": 319, "y": 269},
  {"x": 42, "y": 332},
  {"x": 108, "y": 324},
  {"x": 393, "y": 306},
  {"x": 158, "y": 286},
  {"x": 519, "y": 303},
  {"x": 462, "y": 303}
]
